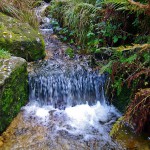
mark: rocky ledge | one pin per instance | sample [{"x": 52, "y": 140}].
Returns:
[
  {"x": 20, "y": 39},
  {"x": 13, "y": 89}
]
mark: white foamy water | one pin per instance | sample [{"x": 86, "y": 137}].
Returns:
[
  {"x": 82, "y": 115},
  {"x": 91, "y": 121},
  {"x": 83, "y": 121}
]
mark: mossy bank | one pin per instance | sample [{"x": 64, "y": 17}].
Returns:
[
  {"x": 13, "y": 89},
  {"x": 20, "y": 39}
]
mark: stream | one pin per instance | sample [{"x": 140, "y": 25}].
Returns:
[{"x": 67, "y": 108}]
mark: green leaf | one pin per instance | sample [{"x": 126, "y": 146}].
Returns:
[
  {"x": 90, "y": 34},
  {"x": 129, "y": 59},
  {"x": 97, "y": 50},
  {"x": 115, "y": 39},
  {"x": 124, "y": 37}
]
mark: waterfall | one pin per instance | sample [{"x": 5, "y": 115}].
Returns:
[
  {"x": 71, "y": 86},
  {"x": 67, "y": 97}
]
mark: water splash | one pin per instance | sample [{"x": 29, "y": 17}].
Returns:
[
  {"x": 82, "y": 122},
  {"x": 68, "y": 98}
]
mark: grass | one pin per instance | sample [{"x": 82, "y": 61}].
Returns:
[
  {"x": 21, "y": 9},
  {"x": 4, "y": 54}
]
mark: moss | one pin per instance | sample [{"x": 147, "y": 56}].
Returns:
[
  {"x": 4, "y": 54},
  {"x": 13, "y": 95},
  {"x": 125, "y": 136},
  {"x": 122, "y": 100},
  {"x": 20, "y": 39}
]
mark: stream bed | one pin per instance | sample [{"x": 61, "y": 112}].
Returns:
[{"x": 67, "y": 108}]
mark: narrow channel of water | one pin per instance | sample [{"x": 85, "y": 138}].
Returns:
[
  {"x": 72, "y": 94},
  {"x": 67, "y": 109}
]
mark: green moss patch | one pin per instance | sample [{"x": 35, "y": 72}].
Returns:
[
  {"x": 4, "y": 54},
  {"x": 20, "y": 39},
  {"x": 13, "y": 89}
]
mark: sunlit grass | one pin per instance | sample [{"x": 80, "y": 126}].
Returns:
[{"x": 20, "y": 9}]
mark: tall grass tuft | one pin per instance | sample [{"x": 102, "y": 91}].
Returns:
[{"x": 21, "y": 9}]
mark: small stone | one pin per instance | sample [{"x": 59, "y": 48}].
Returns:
[
  {"x": 5, "y": 69},
  {"x": 1, "y": 143}
]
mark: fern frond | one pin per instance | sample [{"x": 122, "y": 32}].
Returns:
[{"x": 123, "y": 5}]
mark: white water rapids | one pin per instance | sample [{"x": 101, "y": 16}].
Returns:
[{"x": 82, "y": 121}]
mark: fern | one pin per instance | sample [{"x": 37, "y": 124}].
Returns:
[
  {"x": 123, "y": 5},
  {"x": 76, "y": 15},
  {"x": 131, "y": 6},
  {"x": 129, "y": 59},
  {"x": 107, "y": 68},
  {"x": 138, "y": 112}
]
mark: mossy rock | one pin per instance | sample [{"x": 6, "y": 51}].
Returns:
[
  {"x": 13, "y": 89},
  {"x": 20, "y": 39},
  {"x": 126, "y": 137}
]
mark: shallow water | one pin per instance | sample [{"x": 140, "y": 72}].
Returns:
[{"x": 67, "y": 109}]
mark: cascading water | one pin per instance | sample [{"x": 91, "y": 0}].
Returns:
[
  {"x": 62, "y": 86},
  {"x": 66, "y": 105},
  {"x": 68, "y": 97}
]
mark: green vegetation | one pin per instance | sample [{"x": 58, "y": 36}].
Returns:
[
  {"x": 4, "y": 54},
  {"x": 19, "y": 36},
  {"x": 70, "y": 52},
  {"x": 13, "y": 90},
  {"x": 108, "y": 29},
  {"x": 93, "y": 24},
  {"x": 21, "y": 10},
  {"x": 129, "y": 83},
  {"x": 20, "y": 39}
]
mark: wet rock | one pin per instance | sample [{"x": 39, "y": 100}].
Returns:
[
  {"x": 47, "y": 1},
  {"x": 20, "y": 39},
  {"x": 13, "y": 89}
]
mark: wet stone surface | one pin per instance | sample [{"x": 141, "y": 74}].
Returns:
[
  {"x": 7, "y": 66},
  {"x": 25, "y": 133}
]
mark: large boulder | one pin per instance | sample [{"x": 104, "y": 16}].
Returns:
[
  {"x": 13, "y": 88},
  {"x": 20, "y": 39}
]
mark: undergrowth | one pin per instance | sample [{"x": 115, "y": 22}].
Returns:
[
  {"x": 91, "y": 25},
  {"x": 97, "y": 24},
  {"x": 130, "y": 75},
  {"x": 20, "y": 9}
]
